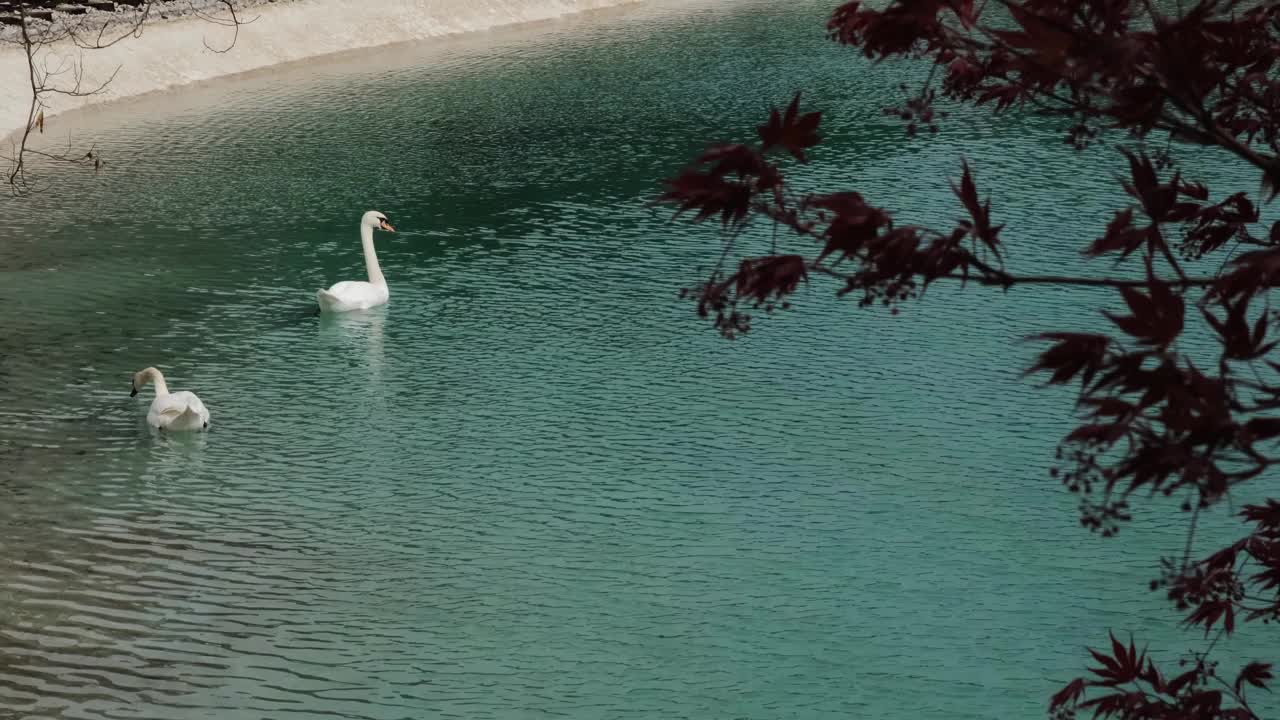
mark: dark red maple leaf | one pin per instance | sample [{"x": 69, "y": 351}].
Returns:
[
  {"x": 791, "y": 131},
  {"x": 1123, "y": 665},
  {"x": 1176, "y": 685},
  {"x": 1203, "y": 704},
  {"x": 736, "y": 159},
  {"x": 1074, "y": 353},
  {"x": 1145, "y": 186},
  {"x": 1042, "y": 37},
  {"x": 1238, "y": 341},
  {"x": 979, "y": 212},
  {"x": 1156, "y": 319},
  {"x": 1212, "y": 226},
  {"x": 1125, "y": 704},
  {"x": 1120, "y": 235},
  {"x": 1256, "y": 674},
  {"x": 852, "y": 223},
  {"x": 773, "y": 276},
  {"x": 1263, "y": 428},
  {"x": 709, "y": 194},
  {"x": 1068, "y": 695},
  {"x": 1266, "y": 516},
  {"x": 1149, "y": 324},
  {"x": 1209, "y": 613}
]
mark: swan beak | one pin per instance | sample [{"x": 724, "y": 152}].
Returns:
[
  {"x": 133, "y": 391},
  {"x": 387, "y": 226}
]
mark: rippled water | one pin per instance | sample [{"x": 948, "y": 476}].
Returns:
[{"x": 534, "y": 484}]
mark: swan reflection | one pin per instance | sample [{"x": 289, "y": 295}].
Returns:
[{"x": 357, "y": 329}]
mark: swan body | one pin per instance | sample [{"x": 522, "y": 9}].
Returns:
[
  {"x": 179, "y": 411},
  {"x": 352, "y": 295},
  {"x": 359, "y": 294}
]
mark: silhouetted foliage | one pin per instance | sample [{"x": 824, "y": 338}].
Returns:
[{"x": 1155, "y": 421}]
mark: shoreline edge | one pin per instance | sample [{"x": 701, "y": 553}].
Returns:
[{"x": 174, "y": 52}]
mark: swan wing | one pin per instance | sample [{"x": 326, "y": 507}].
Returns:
[
  {"x": 179, "y": 411},
  {"x": 351, "y": 295},
  {"x": 195, "y": 406}
]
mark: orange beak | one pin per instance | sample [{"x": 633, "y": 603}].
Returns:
[{"x": 387, "y": 226}]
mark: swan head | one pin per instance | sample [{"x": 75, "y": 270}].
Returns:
[
  {"x": 140, "y": 379},
  {"x": 377, "y": 221}
]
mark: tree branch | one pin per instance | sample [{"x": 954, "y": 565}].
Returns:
[
  {"x": 94, "y": 31},
  {"x": 1003, "y": 279}
]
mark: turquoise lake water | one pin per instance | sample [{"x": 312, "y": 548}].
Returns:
[{"x": 536, "y": 484}]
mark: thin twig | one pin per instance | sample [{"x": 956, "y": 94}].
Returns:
[{"x": 45, "y": 78}]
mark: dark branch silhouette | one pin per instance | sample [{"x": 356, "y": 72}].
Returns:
[{"x": 1154, "y": 421}]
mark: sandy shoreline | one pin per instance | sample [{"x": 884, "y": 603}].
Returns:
[{"x": 171, "y": 51}]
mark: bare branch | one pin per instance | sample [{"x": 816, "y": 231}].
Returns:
[
  {"x": 234, "y": 22},
  {"x": 65, "y": 76}
]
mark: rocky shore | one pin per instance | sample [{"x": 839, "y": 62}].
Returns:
[{"x": 52, "y": 17}]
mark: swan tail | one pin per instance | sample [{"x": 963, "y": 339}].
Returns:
[
  {"x": 182, "y": 417},
  {"x": 327, "y": 300},
  {"x": 193, "y": 418}
]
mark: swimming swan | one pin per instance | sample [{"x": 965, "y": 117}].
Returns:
[
  {"x": 171, "y": 411},
  {"x": 357, "y": 294}
]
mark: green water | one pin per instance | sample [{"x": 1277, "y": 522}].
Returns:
[{"x": 535, "y": 484}]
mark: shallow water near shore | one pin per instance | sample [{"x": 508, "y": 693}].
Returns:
[{"x": 536, "y": 483}]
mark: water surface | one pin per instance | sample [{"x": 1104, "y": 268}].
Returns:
[{"x": 535, "y": 484}]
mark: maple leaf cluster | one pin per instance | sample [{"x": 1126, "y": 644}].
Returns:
[
  {"x": 1242, "y": 579},
  {"x": 1132, "y": 686},
  {"x": 1155, "y": 420}
]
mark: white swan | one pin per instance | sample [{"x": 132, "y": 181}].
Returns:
[
  {"x": 357, "y": 294},
  {"x": 171, "y": 411}
]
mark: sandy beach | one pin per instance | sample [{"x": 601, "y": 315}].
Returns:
[{"x": 179, "y": 43}]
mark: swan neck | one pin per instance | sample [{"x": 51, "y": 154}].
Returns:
[
  {"x": 158, "y": 380},
  {"x": 370, "y": 257}
]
